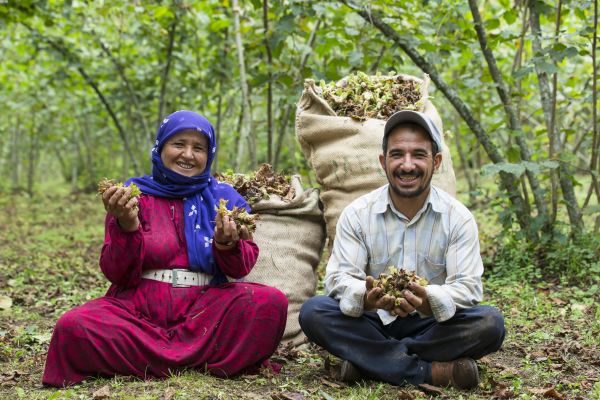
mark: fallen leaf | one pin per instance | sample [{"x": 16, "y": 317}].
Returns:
[
  {"x": 5, "y": 302},
  {"x": 485, "y": 360},
  {"x": 427, "y": 388},
  {"x": 408, "y": 395},
  {"x": 559, "y": 301},
  {"x": 537, "y": 390},
  {"x": 287, "y": 396},
  {"x": 331, "y": 384},
  {"x": 579, "y": 307},
  {"x": 552, "y": 393},
  {"x": 169, "y": 393},
  {"x": 503, "y": 393},
  {"x": 102, "y": 393}
]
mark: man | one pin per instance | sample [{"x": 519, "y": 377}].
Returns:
[{"x": 435, "y": 332}]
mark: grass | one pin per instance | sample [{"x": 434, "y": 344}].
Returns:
[{"x": 49, "y": 249}]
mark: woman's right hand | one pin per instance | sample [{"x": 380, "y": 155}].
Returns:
[{"x": 117, "y": 202}]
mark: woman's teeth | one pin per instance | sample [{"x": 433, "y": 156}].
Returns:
[{"x": 185, "y": 166}]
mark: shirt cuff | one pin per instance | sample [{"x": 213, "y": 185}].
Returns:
[
  {"x": 120, "y": 237},
  {"x": 386, "y": 317},
  {"x": 441, "y": 303},
  {"x": 352, "y": 302}
]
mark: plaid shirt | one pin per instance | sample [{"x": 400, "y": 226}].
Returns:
[{"x": 440, "y": 244}]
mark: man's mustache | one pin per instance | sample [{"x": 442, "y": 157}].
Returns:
[{"x": 416, "y": 174}]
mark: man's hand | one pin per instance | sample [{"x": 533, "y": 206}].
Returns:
[
  {"x": 374, "y": 298},
  {"x": 415, "y": 298}
]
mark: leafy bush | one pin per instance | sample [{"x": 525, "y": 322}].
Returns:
[{"x": 570, "y": 260}]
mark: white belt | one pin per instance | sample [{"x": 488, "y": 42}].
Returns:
[{"x": 178, "y": 277}]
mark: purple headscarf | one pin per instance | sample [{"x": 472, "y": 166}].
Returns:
[{"x": 200, "y": 193}]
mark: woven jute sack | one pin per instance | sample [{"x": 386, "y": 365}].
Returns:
[
  {"x": 290, "y": 236},
  {"x": 344, "y": 152}
]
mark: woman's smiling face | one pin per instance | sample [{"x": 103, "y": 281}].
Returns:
[{"x": 186, "y": 153}]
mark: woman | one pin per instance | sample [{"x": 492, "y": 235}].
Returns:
[{"x": 168, "y": 256}]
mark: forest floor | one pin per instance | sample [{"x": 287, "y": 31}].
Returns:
[{"x": 49, "y": 251}]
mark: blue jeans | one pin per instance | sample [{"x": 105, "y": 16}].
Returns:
[{"x": 402, "y": 351}]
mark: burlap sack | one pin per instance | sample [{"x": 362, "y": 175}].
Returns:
[
  {"x": 290, "y": 236},
  {"x": 344, "y": 152}
]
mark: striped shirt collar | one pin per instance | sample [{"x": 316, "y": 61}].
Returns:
[{"x": 384, "y": 201}]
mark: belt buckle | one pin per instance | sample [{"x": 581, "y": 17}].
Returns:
[{"x": 174, "y": 279}]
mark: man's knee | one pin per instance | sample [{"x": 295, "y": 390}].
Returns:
[
  {"x": 313, "y": 313},
  {"x": 491, "y": 326}
]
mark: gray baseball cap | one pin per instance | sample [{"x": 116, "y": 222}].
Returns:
[{"x": 423, "y": 120}]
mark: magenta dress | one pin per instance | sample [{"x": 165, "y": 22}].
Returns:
[{"x": 148, "y": 328}]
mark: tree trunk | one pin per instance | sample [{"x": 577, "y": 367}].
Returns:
[
  {"x": 288, "y": 110},
  {"x": 552, "y": 136},
  {"x": 464, "y": 164},
  {"x": 215, "y": 166},
  {"x": 269, "y": 83},
  {"x": 594, "y": 162},
  {"x": 165, "y": 74},
  {"x": 513, "y": 121},
  {"x": 84, "y": 131},
  {"x": 64, "y": 168},
  {"x": 34, "y": 144},
  {"x": 247, "y": 133},
  {"x": 376, "y": 63},
  {"x": 15, "y": 155},
  {"x": 77, "y": 160},
  {"x": 564, "y": 174}
]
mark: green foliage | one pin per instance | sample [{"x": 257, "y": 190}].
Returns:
[{"x": 571, "y": 260}]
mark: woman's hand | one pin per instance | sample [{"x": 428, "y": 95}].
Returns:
[
  {"x": 117, "y": 202},
  {"x": 226, "y": 233}
]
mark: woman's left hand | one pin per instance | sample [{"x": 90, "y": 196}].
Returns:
[{"x": 226, "y": 234}]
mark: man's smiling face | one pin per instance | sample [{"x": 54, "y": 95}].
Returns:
[{"x": 409, "y": 163}]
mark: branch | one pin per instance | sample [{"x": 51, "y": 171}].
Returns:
[
  {"x": 565, "y": 181},
  {"x": 247, "y": 132},
  {"x": 290, "y": 107},
  {"x": 509, "y": 182},
  {"x": 121, "y": 71},
  {"x": 165, "y": 75},
  {"x": 72, "y": 59},
  {"x": 269, "y": 83},
  {"x": 376, "y": 63},
  {"x": 594, "y": 186},
  {"x": 596, "y": 141},
  {"x": 554, "y": 139},
  {"x": 513, "y": 120}
]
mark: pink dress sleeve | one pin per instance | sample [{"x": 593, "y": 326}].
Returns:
[
  {"x": 122, "y": 254},
  {"x": 237, "y": 262}
]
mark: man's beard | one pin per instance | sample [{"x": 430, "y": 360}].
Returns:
[{"x": 413, "y": 192}]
